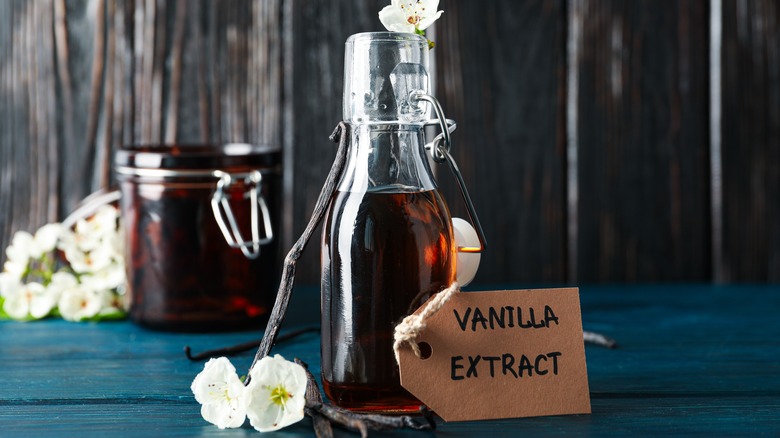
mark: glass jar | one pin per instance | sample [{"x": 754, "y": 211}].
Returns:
[
  {"x": 387, "y": 241},
  {"x": 185, "y": 210}
]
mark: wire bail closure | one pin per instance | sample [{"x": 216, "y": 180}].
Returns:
[
  {"x": 439, "y": 149},
  {"x": 222, "y": 211}
]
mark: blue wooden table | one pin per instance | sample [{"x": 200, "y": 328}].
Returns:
[{"x": 693, "y": 360}]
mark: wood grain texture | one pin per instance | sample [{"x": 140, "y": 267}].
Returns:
[
  {"x": 643, "y": 142},
  {"x": 317, "y": 85},
  {"x": 500, "y": 67},
  {"x": 29, "y": 158},
  {"x": 751, "y": 140},
  {"x": 705, "y": 371},
  {"x": 78, "y": 79}
]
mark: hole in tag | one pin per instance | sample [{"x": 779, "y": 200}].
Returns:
[{"x": 425, "y": 350}]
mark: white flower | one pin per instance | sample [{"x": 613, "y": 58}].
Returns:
[
  {"x": 8, "y": 284},
  {"x": 275, "y": 396},
  {"x": 102, "y": 225},
  {"x": 220, "y": 392},
  {"x": 90, "y": 261},
  {"x": 45, "y": 240},
  {"x": 78, "y": 303},
  {"x": 409, "y": 15},
  {"x": 60, "y": 281},
  {"x": 25, "y": 300},
  {"x": 73, "y": 241},
  {"x": 25, "y": 247},
  {"x": 90, "y": 233},
  {"x": 95, "y": 247},
  {"x": 18, "y": 254},
  {"x": 111, "y": 277},
  {"x": 112, "y": 303},
  {"x": 88, "y": 289}
]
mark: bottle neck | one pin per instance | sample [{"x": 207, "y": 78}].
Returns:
[{"x": 387, "y": 158}]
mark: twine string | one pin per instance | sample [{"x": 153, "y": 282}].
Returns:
[{"x": 407, "y": 332}]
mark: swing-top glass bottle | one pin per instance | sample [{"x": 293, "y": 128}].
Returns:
[{"x": 387, "y": 242}]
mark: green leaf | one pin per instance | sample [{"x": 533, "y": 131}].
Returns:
[
  {"x": 115, "y": 315},
  {"x": 3, "y": 315}
]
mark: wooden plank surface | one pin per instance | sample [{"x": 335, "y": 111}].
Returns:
[
  {"x": 709, "y": 368},
  {"x": 626, "y": 197},
  {"x": 751, "y": 140},
  {"x": 643, "y": 167},
  {"x": 500, "y": 67}
]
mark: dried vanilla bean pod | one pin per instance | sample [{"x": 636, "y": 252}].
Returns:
[
  {"x": 244, "y": 346},
  {"x": 599, "y": 339},
  {"x": 322, "y": 427},
  {"x": 314, "y": 404},
  {"x": 362, "y": 423},
  {"x": 341, "y": 133},
  {"x": 346, "y": 419},
  {"x": 379, "y": 422}
]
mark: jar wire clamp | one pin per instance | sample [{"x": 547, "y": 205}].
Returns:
[
  {"x": 439, "y": 149},
  {"x": 222, "y": 211}
]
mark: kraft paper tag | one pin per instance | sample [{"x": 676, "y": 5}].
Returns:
[{"x": 501, "y": 354}]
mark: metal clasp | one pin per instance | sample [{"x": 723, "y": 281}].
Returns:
[
  {"x": 440, "y": 152},
  {"x": 222, "y": 210}
]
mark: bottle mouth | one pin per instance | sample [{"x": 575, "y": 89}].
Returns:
[
  {"x": 381, "y": 70},
  {"x": 386, "y": 37}
]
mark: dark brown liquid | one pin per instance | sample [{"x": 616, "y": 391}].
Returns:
[
  {"x": 383, "y": 255},
  {"x": 182, "y": 274}
]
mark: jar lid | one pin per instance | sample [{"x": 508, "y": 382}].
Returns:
[{"x": 198, "y": 157}]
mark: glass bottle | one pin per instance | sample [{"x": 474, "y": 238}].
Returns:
[{"x": 387, "y": 241}]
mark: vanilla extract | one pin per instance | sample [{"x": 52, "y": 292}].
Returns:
[{"x": 504, "y": 317}]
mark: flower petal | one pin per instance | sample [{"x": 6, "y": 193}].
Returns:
[
  {"x": 42, "y": 305},
  {"x": 46, "y": 239},
  {"x": 409, "y": 16},
  {"x": 60, "y": 281},
  {"x": 429, "y": 5},
  {"x": 427, "y": 21},
  {"x": 18, "y": 252},
  {"x": 266, "y": 412},
  {"x": 216, "y": 371},
  {"x": 395, "y": 20},
  {"x": 223, "y": 415},
  {"x": 9, "y": 284},
  {"x": 16, "y": 306},
  {"x": 108, "y": 278},
  {"x": 22, "y": 240},
  {"x": 221, "y": 393},
  {"x": 79, "y": 303}
]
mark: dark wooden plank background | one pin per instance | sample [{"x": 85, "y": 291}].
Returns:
[
  {"x": 601, "y": 140},
  {"x": 643, "y": 141},
  {"x": 751, "y": 140},
  {"x": 501, "y": 67}
]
